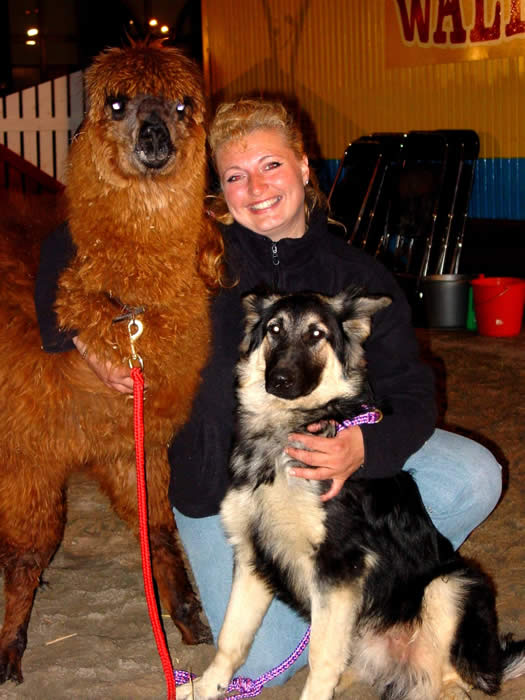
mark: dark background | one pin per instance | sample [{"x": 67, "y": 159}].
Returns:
[{"x": 71, "y": 32}]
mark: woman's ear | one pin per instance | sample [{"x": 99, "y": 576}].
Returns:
[{"x": 305, "y": 169}]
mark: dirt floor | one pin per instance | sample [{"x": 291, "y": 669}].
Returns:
[{"x": 90, "y": 635}]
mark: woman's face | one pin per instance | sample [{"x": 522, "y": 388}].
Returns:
[{"x": 263, "y": 183}]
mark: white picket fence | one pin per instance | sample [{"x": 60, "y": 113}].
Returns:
[{"x": 39, "y": 122}]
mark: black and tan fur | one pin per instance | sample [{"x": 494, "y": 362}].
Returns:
[{"x": 389, "y": 600}]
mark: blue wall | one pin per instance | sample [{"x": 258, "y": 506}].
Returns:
[{"x": 498, "y": 192}]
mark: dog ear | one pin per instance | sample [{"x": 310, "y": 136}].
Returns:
[
  {"x": 369, "y": 305},
  {"x": 254, "y": 305},
  {"x": 356, "y": 310}
]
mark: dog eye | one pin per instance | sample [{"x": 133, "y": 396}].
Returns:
[
  {"x": 274, "y": 329},
  {"x": 316, "y": 334},
  {"x": 117, "y": 105}
]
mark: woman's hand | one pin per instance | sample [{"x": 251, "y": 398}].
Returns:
[
  {"x": 335, "y": 458},
  {"x": 114, "y": 376}
]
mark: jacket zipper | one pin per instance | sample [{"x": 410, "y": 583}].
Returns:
[{"x": 276, "y": 263}]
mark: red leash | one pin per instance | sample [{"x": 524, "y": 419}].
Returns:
[{"x": 138, "y": 428}]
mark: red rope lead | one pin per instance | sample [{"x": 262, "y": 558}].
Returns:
[{"x": 138, "y": 428}]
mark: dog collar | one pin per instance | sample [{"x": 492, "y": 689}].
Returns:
[{"x": 371, "y": 415}]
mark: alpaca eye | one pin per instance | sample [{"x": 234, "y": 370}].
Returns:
[
  {"x": 117, "y": 104},
  {"x": 184, "y": 108}
]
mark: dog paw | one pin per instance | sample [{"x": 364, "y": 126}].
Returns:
[
  {"x": 197, "y": 690},
  {"x": 453, "y": 691},
  {"x": 186, "y": 691}
]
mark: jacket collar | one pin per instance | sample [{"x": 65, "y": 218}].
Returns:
[{"x": 256, "y": 249}]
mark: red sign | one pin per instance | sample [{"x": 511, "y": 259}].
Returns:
[{"x": 446, "y": 31}]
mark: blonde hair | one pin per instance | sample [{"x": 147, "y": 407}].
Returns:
[{"x": 233, "y": 120}]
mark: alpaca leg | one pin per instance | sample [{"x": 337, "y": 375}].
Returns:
[
  {"x": 23, "y": 566},
  {"x": 171, "y": 577},
  {"x": 175, "y": 590},
  {"x": 19, "y": 587}
]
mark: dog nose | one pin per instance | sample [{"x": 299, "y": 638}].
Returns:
[
  {"x": 280, "y": 383},
  {"x": 154, "y": 144}
]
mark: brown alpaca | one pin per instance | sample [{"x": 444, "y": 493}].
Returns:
[{"x": 135, "y": 211}]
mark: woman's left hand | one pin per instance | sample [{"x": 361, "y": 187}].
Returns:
[{"x": 335, "y": 458}]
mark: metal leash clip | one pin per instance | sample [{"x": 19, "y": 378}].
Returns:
[{"x": 135, "y": 328}]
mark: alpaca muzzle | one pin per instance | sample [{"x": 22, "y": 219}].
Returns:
[{"x": 154, "y": 146}]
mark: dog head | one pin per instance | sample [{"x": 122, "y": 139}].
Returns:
[
  {"x": 307, "y": 345},
  {"x": 143, "y": 101}
]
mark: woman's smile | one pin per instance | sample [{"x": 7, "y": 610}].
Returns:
[{"x": 266, "y": 204}]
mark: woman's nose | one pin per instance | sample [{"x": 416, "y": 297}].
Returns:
[{"x": 257, "y": 183}]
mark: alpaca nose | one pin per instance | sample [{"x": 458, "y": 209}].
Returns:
[{"x": 154, "y": 144}]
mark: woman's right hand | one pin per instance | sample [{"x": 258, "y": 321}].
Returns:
[{"x": 116, "y": 377}]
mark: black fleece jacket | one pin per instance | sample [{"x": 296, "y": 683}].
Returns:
[{"x": 320, "y": 262}]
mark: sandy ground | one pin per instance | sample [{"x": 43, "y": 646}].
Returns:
[{"x": 90, "y": 635}]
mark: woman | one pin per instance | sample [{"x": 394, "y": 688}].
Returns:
[{"x": 276, "y": 233}]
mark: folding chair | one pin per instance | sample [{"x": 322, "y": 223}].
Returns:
[
  {"x": 470, "y": 140},
  {"x": 463, "y": 148},
  {"x": 414, "y": 204},
  {"x": 354, "y": 200}
]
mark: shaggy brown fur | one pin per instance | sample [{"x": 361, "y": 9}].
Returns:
[{"x": 135, "y": 210}]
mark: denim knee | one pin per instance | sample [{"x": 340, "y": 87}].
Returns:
[
  {"x": 485, "y": 490},
  {"x": 460, "y": 483},
  {"x": 479, "y": 497}
]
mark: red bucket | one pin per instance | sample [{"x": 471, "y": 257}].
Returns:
[{"x": 498, "y": 303}]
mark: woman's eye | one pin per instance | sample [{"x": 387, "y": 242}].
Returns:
[
  {"x": 233, "y": 178},
  {"x": 274, "y": 164}
]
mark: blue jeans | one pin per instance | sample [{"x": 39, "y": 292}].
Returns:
[{"x": 460, "y": 483}]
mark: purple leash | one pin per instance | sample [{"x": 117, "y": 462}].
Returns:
[
  {"x": 247, "y": 687},
  {"x": 372, "y": 415}
]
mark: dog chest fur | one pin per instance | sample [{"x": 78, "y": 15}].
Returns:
[{"x": 284, "y": 521}]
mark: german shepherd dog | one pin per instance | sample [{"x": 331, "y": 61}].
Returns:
[{"x": 389, "y": 600}]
